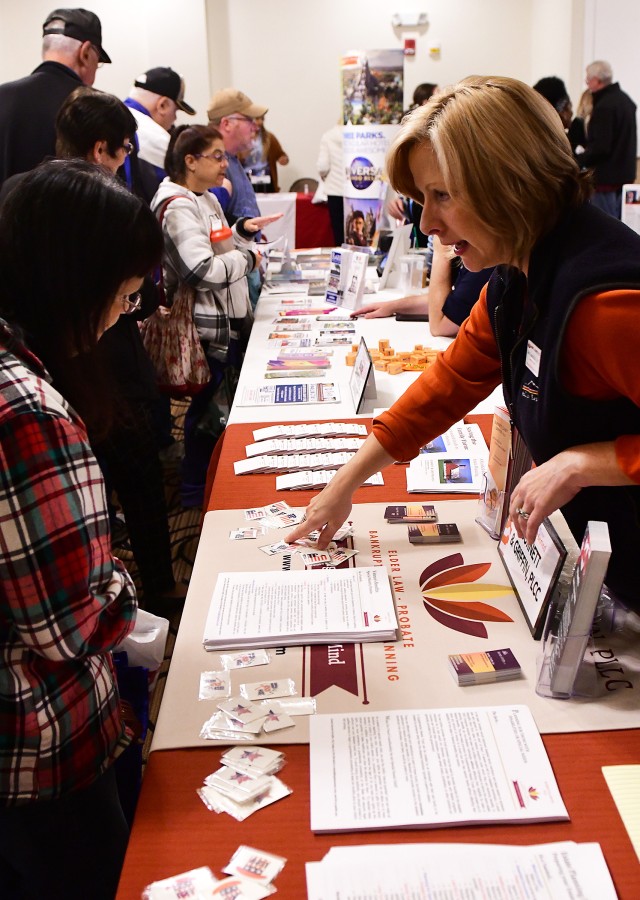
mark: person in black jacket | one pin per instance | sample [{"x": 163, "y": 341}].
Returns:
[
  {"x": 610, "y": 149},
  {"x": 71, "y": 52},
  {"x": 99, "y": 128}
]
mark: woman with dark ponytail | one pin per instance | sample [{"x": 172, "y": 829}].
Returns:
[{"x": 203, "y": 253}]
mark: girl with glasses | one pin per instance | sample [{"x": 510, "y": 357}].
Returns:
[{"x": 205, "y": 255}]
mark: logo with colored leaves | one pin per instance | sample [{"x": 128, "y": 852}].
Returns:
[
  {"x": 451, "y": 597},
  {"x": 533, "y": 793}
]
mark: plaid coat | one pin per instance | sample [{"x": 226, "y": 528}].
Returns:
[{"x": 65, "y": 602}]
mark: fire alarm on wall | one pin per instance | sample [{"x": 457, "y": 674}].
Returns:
[{"x": 410, "y": 47}]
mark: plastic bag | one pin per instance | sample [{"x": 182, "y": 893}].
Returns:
[{"x": 145, "y": 645}]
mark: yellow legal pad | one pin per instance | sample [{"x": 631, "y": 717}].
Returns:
[{"x": 624, "y": 784}]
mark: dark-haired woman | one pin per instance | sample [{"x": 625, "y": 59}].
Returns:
[
  {"x": 191, "y": 215},
  {"x": 74, "y": 245}
]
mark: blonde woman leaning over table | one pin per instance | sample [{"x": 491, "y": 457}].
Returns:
[
  {"x": 453, "y": 290},
  {"x": 561, "y": 311}
]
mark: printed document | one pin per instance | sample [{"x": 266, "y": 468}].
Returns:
[{"x": 428, "y": 768}]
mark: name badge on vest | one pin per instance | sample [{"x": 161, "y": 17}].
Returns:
[
  {"x": 532, "y": 360},
  {"x": 529, "y": 389}
]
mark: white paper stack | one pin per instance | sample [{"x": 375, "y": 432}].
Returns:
[
  {"x": 299, "y": 462},
  {"x": 290, "y": 446},
  {"x": 562, "y": 871},
  {"x": 276, "y": 609},
  {"x": 306, "y": 480},
  {"x": 314, "y": 429}
]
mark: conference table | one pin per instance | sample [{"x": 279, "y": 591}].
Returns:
[{"x": 174, "y": 832}]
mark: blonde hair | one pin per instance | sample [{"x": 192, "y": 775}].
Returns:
[{"x": 503, "y": 155}]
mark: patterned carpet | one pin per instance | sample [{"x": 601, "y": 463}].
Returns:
[{"x": 184, "y": 527}]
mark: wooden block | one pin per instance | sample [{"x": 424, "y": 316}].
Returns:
[
  {"x": 394, "y": 368},
  {"x": 350, "y": 359},
  {"x": 380, "y": 365},
  {"x": 354, "y": 348},
  {"x": 419, "y": 347},
  {"x": 383, "y": 344}
]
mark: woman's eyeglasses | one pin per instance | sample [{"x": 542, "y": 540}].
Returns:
[
  {"x": 131, "y": 303},
  {"x": 218, "y": 155}
]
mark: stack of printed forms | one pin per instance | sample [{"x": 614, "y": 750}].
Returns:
[
  {"x": 306, "y": 480},
  {"x": 303, "y": 456},
  {"x": 313, "y": 429},
  {"x": 293, "y": 455}
]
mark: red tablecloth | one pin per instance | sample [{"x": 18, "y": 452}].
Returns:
[{"x": 313, "y": 225}]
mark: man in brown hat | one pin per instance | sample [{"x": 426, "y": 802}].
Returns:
[
  {"x": 234, "y": 115},
  {"x": 72, "y": 51}
]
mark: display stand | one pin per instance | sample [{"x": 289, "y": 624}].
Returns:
[
  {"x": 585, "y": 684},
  {"x": 362, "y": 384}
]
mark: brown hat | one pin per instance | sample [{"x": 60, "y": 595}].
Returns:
[
  {"x": 229, "y": 101},
  {"x": 80, "y": 24},
  {"x": 164, "y": 81}
]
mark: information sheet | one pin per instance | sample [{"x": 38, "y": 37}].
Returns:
[
  {"x": 430, "y": 767},
  {"x": 294, "y": 608},
  {"x": 559, "y": 871}
]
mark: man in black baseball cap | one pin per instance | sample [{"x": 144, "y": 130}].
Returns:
[
  {"x": 155, "y": 99},
  {"x": 72, "y": 51},
  {"x": 80, "y": 24}
]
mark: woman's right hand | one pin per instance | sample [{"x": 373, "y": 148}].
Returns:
[
  {"x": 325, "y": 513},
  {"x": 330, "y": 509}
]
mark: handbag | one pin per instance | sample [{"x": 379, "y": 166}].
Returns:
[{"x": 172, "y": 342}]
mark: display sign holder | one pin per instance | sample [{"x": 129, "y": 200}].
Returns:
[
  {"x": 362, "y": 384},
  {"x": 533, "y": 570}
]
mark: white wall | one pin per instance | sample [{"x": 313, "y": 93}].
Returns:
[
  {"x": 285, "y": 53},
  {"x": 137, "y": 34}
]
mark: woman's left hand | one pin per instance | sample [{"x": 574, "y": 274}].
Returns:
[
  {"x": 261, "y": 222},
  {"x": 552, "y": 484}
]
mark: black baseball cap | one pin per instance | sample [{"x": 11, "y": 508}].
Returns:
[
  {"x": 79, "y": 24},
  {"x": 164, "y": 81}
]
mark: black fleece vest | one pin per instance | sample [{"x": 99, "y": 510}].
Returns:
[{"x": 586, "y": 252}]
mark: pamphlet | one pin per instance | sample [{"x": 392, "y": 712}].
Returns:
[
  {"x": 456, "y": 461},
  {"x": 309, "y": 429},
  {"x": 286, "y": 394},
  {"x": 325, "y": 606},
  {"x": 428, "y": 768}
]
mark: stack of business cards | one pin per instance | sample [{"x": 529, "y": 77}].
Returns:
[
  {"x": 484, "y": 666},
  {"x": 412, "y": 512},
  {"x": 434, "y": 533}
]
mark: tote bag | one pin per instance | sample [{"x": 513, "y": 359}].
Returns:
[{"x": 172, "y": 342}]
